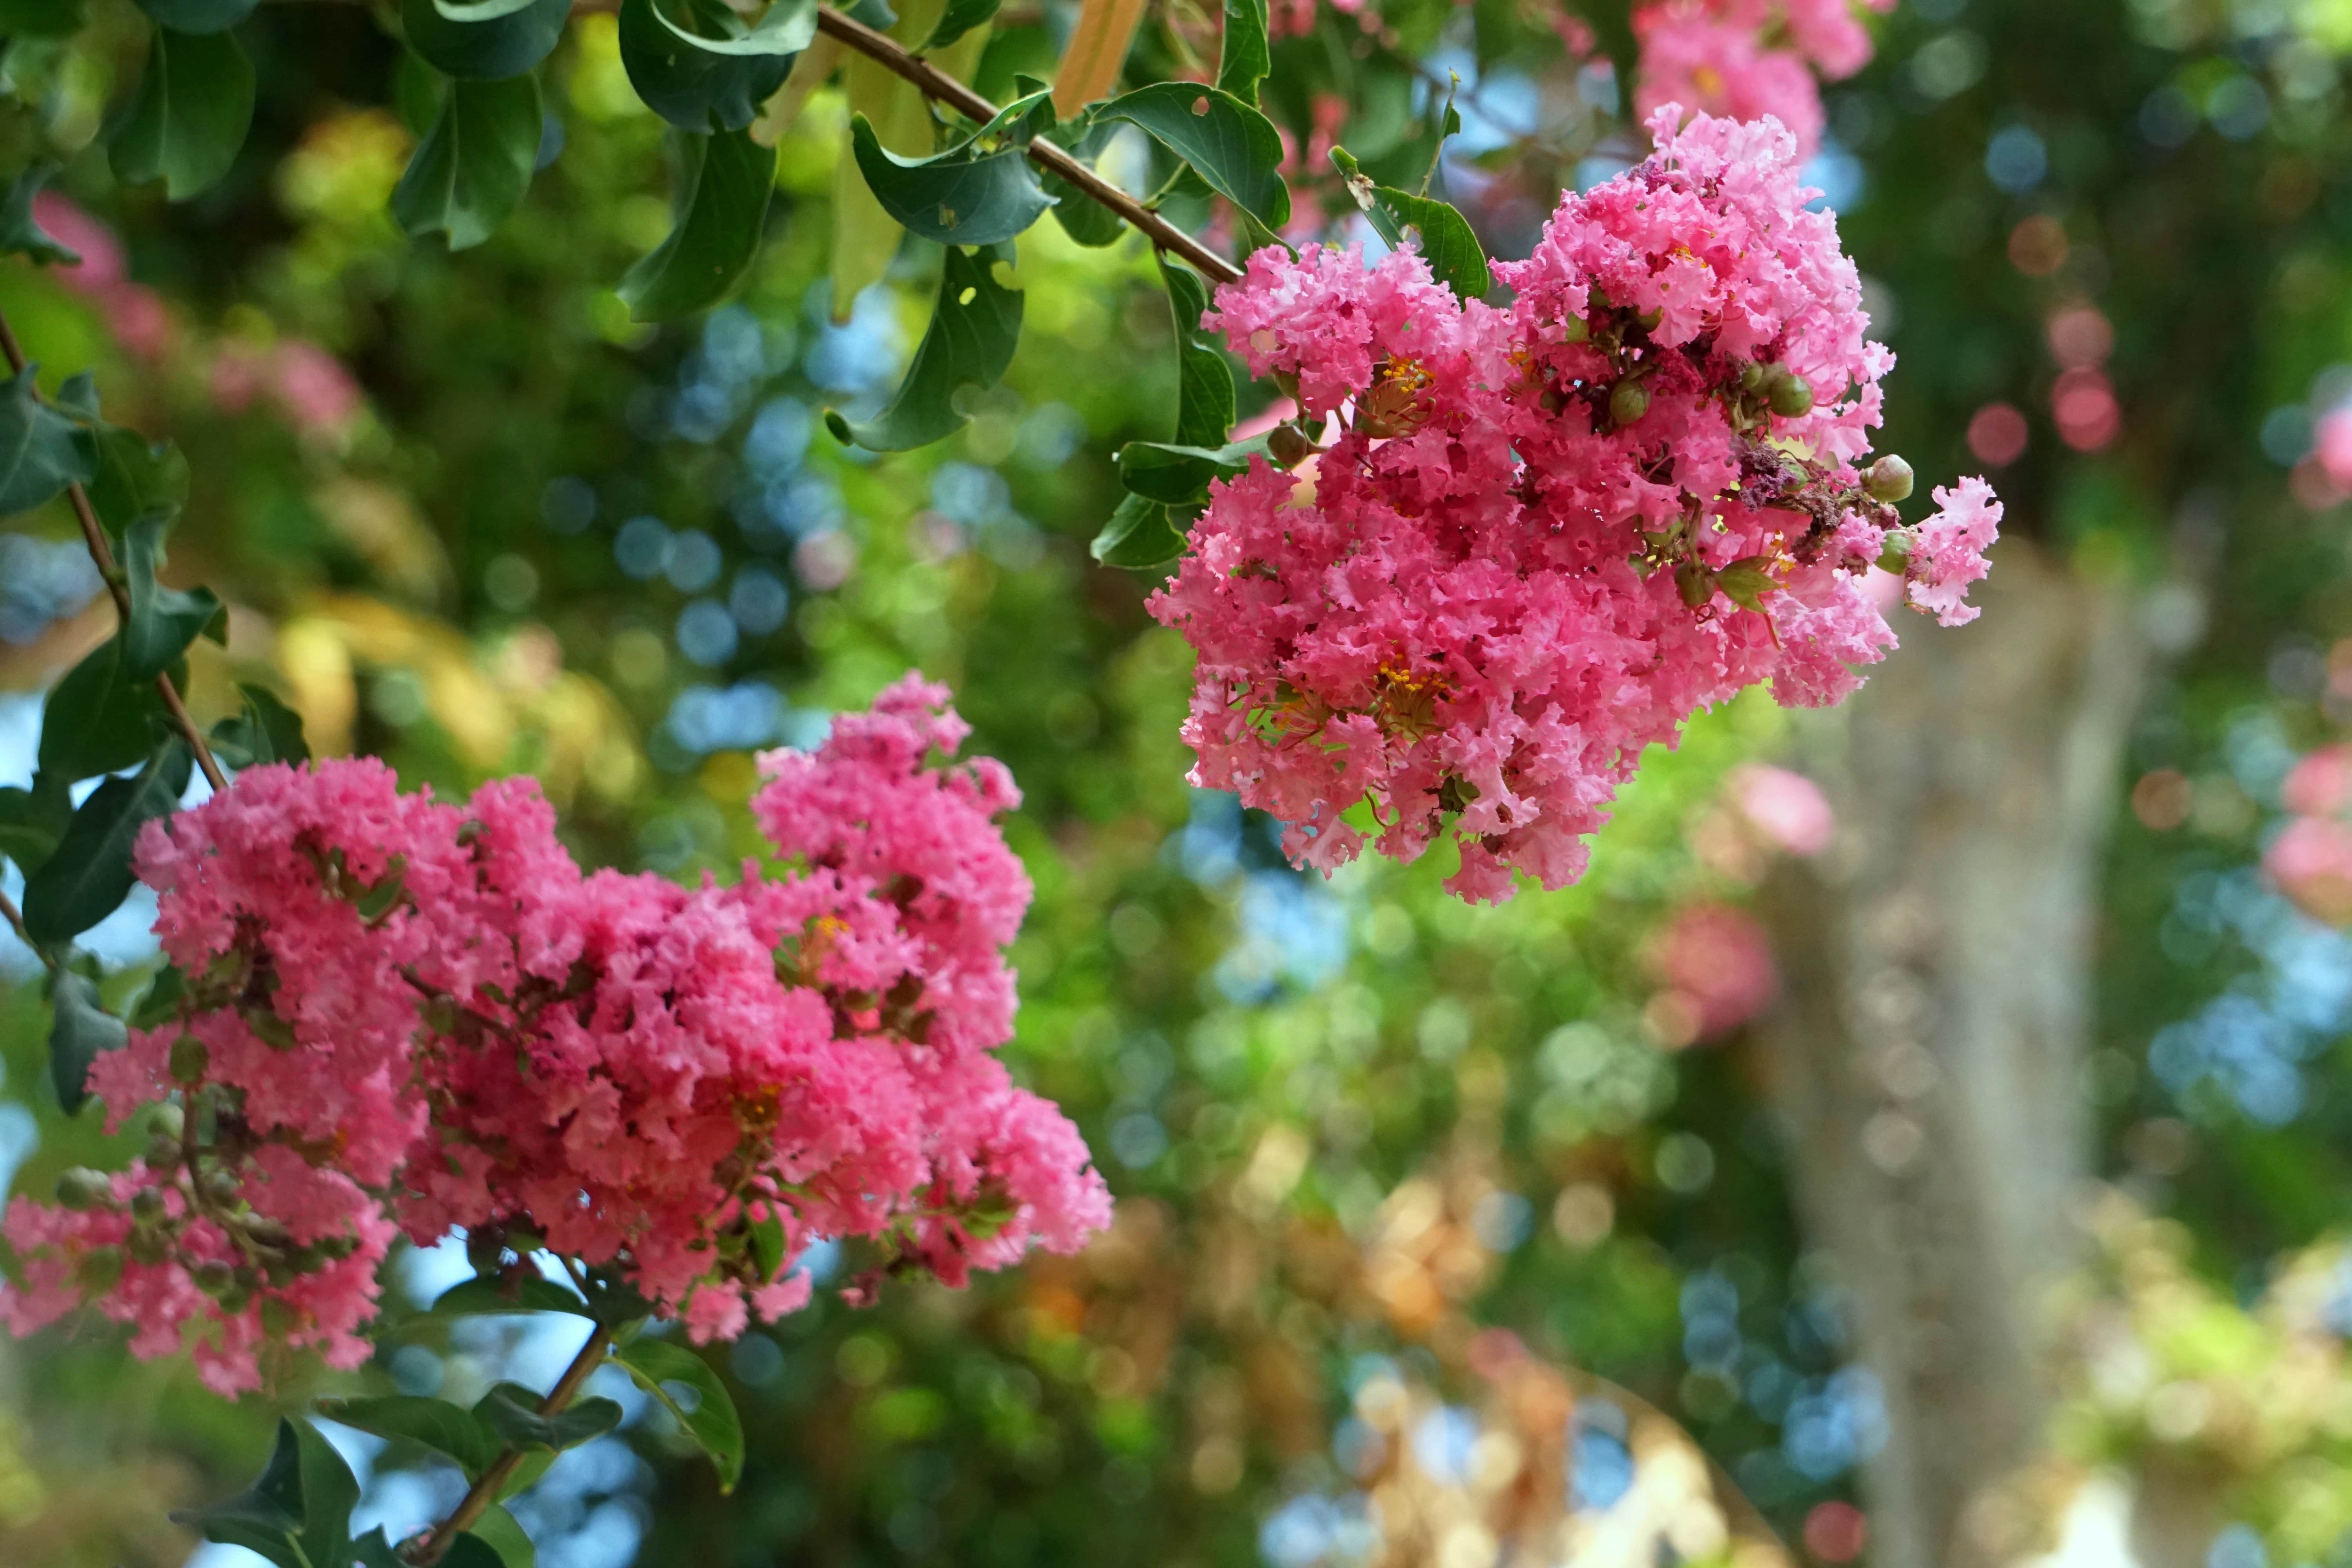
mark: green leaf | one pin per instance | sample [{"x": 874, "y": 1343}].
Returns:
[
  {"x": 266, "y": 731},
  {"x": 724, "y": 189},
  {"x": 1176, "y": 474},
  {"x": 710, "y": 71},
  {"x": 498, "y": 1530},
  {"x": 97, "y": 719},
  {"x": 767, "y": 1238},
  {"x": 512, "y": 1412},
  {"x": 130, "y": 478},
  {"x": 188, "y": 119},
  {"x": 489, "y": 1297},
  {"x": 712, "y": 1423},
  {"x": 33, "y": 820},
  {"x": 473, "y": 167},
  {"x": 299, "y": 1514},
  {"x": 89, "y": 876},
  {"x": 1745, "y": 582},
  {"x": 448, "y": 1430},
  {"x": 42, "y": 18},
  {"x": 160, "y": 1002},
  {"x": 19, "y": 235},
  {"x": 1141, "y": 534},
  {"x": 1204, "y": 382},
  {"x": 1231, "y": 146},
  {"x": 488, "y": 41},
  {"x": 960, "y": 17},
  {"x": 1442, "y": 235},
  {"x": 40, "y": 454},
  {"x": 80, "y": 1029},
  {"x": 969, "y": 343},
  {"x": 957, "y": 197},
  {"x": 1244, "y": 59},
  {"x": 162, "y": 620},
  {"x": 1087, "y": 221},
  {"x": 197, "y": 17}
]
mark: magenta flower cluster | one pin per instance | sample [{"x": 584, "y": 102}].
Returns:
[
  {"x": 402, "y": 1014},
  {"x": 1746, "y": 60},
  {"x": 1548, "y": 532}
]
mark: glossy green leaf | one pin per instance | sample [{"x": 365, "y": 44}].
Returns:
[
  {"x": 1442, "y": 235},
  {"x": 266, "y": 731},
  {"x": 1175, "y": 473},
  {"x": 512, "y": 1412},
  {"x": 450, "y": 1430},
  {"x": 498, "y": 1530},
  {"x": 473, "y": 167},
  {"x": 490, "y": 40},
  {"x": 33, "y": 820},
  {"x": 1204, "y": 382},
  {"x": 97, "y": 719},
  {"x": 1232, "y": 146},
  {"x": 712, "y": 1423},
  {"x": 80, "y": 1031},
  {"x": 188, "y": 118},
  {"x": 724, "y": 185},
  {"x": 40, "y": 450},
  {"x": 1141, "y": 534},
  {"x": 298, "y": 1515},
  {"x": 197, "y": 17},
  {"x": 162, "y": 620},
  {"x": 699, "y": 66},
  {"x": 1244, "y": 58},
  {"x": 131, "y": 477},
  {"x": 525, "y": 1293},
  {"x": 88, "y": 877},
  {"x": 969, "y": 343},
  {"x": 160, "y": 1002},
  {"x": 959, "y": 198},
  {"x": 19, "y": 235},
  {"x": 960, "y": 17}
]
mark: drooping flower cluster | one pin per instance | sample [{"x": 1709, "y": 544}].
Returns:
[
  {"x": 1744, "y": 59},
  {"x": 400, "y": 1014},
  {"x": 1545, "y": 534}
]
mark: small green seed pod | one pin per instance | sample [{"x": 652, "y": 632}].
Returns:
[
  {"x": 1628, "y": 401},
  {"x": 220, "y": 1187},
  {"x": 1752, "y": 377},
  {"x": 147, "y": 1205},
  {"x": 213, "y": 1278},
  {"x": 169, "y": 1122},
  {"x": 82, "y": 1188},
  {"x": 1888, "y": 480},
  {"x": 150, "y": 1247},
  {"x": 190, "y": 1057},
  {"x": 162, "y": 1153},
  {"x": 1791, "y": 395}
]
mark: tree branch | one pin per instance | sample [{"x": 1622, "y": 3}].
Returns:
[
  {"x": 101, "y": 555},
  {"x": 936, "y": 84},
  {"x": 485, "y": 1491}
]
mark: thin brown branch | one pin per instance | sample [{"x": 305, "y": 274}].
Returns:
[
  {"x": 16, "y": 922},
  {"x": 485, "y": 1491},
  {"x": 936, "y": 84},
  {"x": 101, "y": 555}
]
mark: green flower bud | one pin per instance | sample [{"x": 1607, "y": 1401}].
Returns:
[
  {"x": 150, "y": 1247},
  {"x": 1888, "y": 480},
  {"x": 307, "y": 1257},
  {"x": 82, "y": 1188},
  {"x": 189, "y": 1059},
  {"x": 1752, "y": 377},
  {"x": 1628, "y": 401},
  {"x": 169, "y": 1122},
  {"x": 100, "y": 1268},
  {"x": 265, "y": 1231},
  {"x": 1790, "y": 395},
  {"x": 213, "y": 1278},
  {"x": 162, "y": 1153},
  {"x": 220, "y": 1187},
  {"x": 1694, "y": 583},
  {"x": 1288, "y": 446},
  {"x": 147, "y": 1205}
]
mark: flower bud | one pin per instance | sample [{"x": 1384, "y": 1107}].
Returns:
[
  {"x": 1790, "y": 395},
  {"x": 82, "y": 1188},
  {"x": 162, "y": 1153},
  {"x": 147, "y": 1205},
  {"x": 100, "y": 1270},
  {"x": 1628, "y": 401},
  {"x": 1694, "y": 583},
  {"x": 169, "y": 1122},
  {"x": 150, "y": 1247},
  {"x": 1887, "y": 479},
  {"x": 265, "y": 1231},
  {"x": 213, "y": 1278},
  {"x": 189, "y": 1058},
  {"x": 1288, "y": 446},
  {"x": 1752, "y": 377},
  {"x": 220, "y": 1187}
]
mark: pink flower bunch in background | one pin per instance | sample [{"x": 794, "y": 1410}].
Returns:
[
  {"x": 1714, "y": 965},
  {"x": 401, "y": 1014},
  {"x": 2311, "y": 858},
  {"x": 1744, "y": 59},
  {"x": 1545, "y": 534}
]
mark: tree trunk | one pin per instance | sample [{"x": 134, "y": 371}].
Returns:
[{"x": 1930, "y": 1048}]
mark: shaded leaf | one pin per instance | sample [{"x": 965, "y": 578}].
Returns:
[
  {"x": 474, "y": 166},
  {"x": 1231, "y": 146},
  {"x": 712, "y": 1423},
  {"x": 160, "y": 1002},
  {"x": 1442, "y": 235},
  {"x": 450, "y": 1430},
  {"x": 97, "y": 719},
  {"x": 1175, "y": 473},
  {"x": 33, "y": 820},
  {"x": 266, "y": 731},
  {"x": 960, "y": 17},
  {"x": 197, "y": 17},
  {"x": 131, "y": 477},
  {"x": 526, "y": 1293},
  {"x": 42, "y": 18},
  {"x": 40, "y": 451},
  {"x": 162, "y": 620},
  {"x": 959, "y": 198},
  {"x": 188, "y": 118},
  {"x": 723, "y": 189},
  {"x": 80, "y": 1029},
  {"x": 1204, "y": 382},
  {"x": 498, "y": 1530},
  {"x": 969, "y": 343},
  {"x": 89, "y": 876},
  {"x": 1141, "y": 534},
  {"x": 1242, "y": 58},
  {"x": 19, "y": 233},
  {"x": 512, "y": 1412},
  {"x": 699, "y": 66},
  {"x": 490, "y": 40},
  {"x": 299, "y": 1514}
]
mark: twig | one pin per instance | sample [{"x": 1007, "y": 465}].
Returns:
[
  {"x": 101, "y": 555},
  {"x": 16, "y": 923},
  {"x": 485, "y": 1491},
  {"x": 936, "y": 84}
]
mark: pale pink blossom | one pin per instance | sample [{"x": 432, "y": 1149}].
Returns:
[
  {"x": 1788, "y": 809},
  {"x": 1716, "y": 961},
  {"x": 1949, "y": 553}
]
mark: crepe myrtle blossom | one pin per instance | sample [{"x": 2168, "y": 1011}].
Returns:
[
  {"x": 1748, "y": 59},
  {"x": 1548, "y": 532},
  {"x": 388, "y": 1013}
]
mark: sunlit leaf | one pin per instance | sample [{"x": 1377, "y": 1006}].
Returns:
[
  {"x": 1204, "y": 382},
  {"x": 1232, "y": 146},
  {"x": 1441, "y": 235},
  {"x": 1242, "y": 58}
]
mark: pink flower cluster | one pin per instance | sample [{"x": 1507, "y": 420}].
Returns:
[
  {"x": 1746, "y": 60},
  {"x": 1546, "y": 533},
  {"x": 1713, "y": 963},
  {"x": 404, "y": 1015},
  {"x": 2311, "y": 858}
]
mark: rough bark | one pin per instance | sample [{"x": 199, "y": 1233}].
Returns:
[{"x": 1932, "y": 1039}]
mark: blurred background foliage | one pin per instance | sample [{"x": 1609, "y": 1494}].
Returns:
[{"x": 1439, "y": 1227}]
